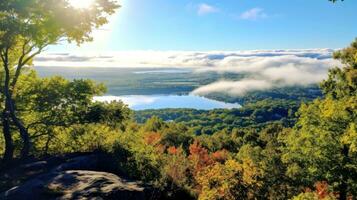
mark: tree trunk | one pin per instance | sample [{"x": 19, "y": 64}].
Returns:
[
  {"x": 9, "y": 146},
  {"x": 23, "y": 132},
  {"x": 10, "y": 108},
  {"x": 47, "y": 143}
]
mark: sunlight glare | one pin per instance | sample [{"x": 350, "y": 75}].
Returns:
[{"x": 81, "y": 4}]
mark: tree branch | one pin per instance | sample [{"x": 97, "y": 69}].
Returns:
[
  {"x": 23, "y": 51},
  {"x": 22, "y": 62}
]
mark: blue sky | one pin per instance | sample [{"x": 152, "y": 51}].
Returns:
[
  {"x": 255, "y": 37},
  {"x": 225, "y": 25}
]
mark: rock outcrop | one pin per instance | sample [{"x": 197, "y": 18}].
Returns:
[
  {"x": 75, "y": 178},
  {"x": 76, "y": 184}
]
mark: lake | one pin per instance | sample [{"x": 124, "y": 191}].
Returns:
[
  {"x": 148, "y": 88},
  {"x": 141, "y": 81},
  {"x": 144, "y": 102}
]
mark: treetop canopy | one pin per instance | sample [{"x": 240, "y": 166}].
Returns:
[{"x": 44, "y": 22}]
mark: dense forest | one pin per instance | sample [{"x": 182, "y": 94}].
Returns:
[
  {"x": 252, "y": 115},
  {"x": 268, "y": 149},
  {"x": 278, "y": 148}
]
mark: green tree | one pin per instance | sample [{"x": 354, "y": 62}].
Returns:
[
  {"x": 154, "y": 124},
  {"x": 49, "y": 105},
  {"x": 114, "y": 114},
  {"x": 231, "y": 180},
  {"x": 322, "y": 145},
  {"x": 267, "y": 156},
  {"x": 46, "y": 104},
  {"x": 27, "y": 27}
]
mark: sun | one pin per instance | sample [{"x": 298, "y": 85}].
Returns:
[{"x": 81, "y": 4}]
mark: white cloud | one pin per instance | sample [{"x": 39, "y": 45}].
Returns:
[
  {"x": 204, "y": 9},
  {"x": 263, "y": 69},
  {"x": 235, "y": 88},
  {"x": 253, "y": 14},
  {"x": 268, "y": 72},
  {"x": 236, "y": 61}
]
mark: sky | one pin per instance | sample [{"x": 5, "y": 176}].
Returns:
[
  {"x": 207, "y": 25},
  {"x": 276, "y": 43}
]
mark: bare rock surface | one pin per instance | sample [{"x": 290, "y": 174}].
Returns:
[
  {"x": 75, "y": 178},
  {"x": 76, "y": 184}
]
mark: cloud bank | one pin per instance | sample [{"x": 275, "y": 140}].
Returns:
[
  {"x": 263, "y": 69},
  {"x": 234, "y": 88}
]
